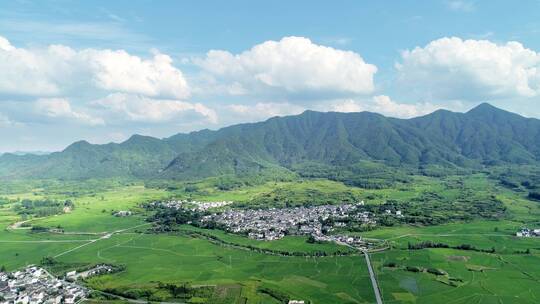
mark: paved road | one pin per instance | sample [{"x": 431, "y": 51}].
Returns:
[{"x": 373, "y": 279}]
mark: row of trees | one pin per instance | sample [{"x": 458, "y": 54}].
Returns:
[
  {"x": 430, "y": 244},
  {"x": 534, "y": 195},
  {"x": 42, "y": 207}
]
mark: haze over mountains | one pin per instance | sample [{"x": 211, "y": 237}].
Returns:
[{"x": 483, "y": 136}]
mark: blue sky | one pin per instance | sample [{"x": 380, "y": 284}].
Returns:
[{"x": 103, "y": 70}]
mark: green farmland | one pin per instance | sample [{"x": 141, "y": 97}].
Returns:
[
  {"x": 178, "y": 258},
  {"x": 500, "y": 269}
]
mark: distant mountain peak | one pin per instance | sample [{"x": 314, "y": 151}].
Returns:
[
  {"x": 488, "y": 111},
  {"x": 485, "y": 108},
  {"x": 79, "y": 143},
  {"x": 140, "y": 138}
]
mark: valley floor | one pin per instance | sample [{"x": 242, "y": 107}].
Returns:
[{"x": 501, "y": 269}]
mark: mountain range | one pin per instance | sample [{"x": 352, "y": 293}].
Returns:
[{"x": 483, "y": 136}]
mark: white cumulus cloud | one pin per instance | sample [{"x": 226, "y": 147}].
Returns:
[
  {"x": 347, "y": 106},
  {"x": 120, "y": 71},
  {"x": 263, "y": 110},
  {"x": 60, "y": 108},
  {"x": 60, "y": 70},
  {"x": 452, "y": 68},
  {"x": 5, "y": 45},
  {"x": 293, "y": 65},
  {"x": 145, "y": 109},
  {"x": 383, "y": 104}
]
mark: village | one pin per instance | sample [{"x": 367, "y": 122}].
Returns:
[
  {"x": 196, "y": 205},
  {"x": 34, "y": 285},
  {"x": 272, "y": 224}
]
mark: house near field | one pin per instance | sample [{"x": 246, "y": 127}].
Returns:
[
  {"x": 526, "y": 232},
  {"x": 123, "y": 213},
  {"x": 71, "y": 274}
]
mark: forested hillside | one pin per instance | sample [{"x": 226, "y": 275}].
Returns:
[{"x": 311, "y": 143}]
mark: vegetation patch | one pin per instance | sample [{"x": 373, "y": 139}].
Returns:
[
  {"x": 42, "y": 207},
  {"x": 404, "y": 297},
  {"x": 276, "y": 294},
  {"x": 478, "y": 268},
  {"x": 430, "y": 244},
  {"x": 458, "y": 258}
]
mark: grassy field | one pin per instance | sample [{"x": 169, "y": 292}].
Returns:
[
  {"x": 301, "y": 188},
  {"x": 508, "y": 275},
  {"x": 480, "y": 277},
  {"x": 151, "y": 258},
  {"x": 288, "y": 243}
]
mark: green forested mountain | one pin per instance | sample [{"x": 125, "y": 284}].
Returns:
[{"x": 483, "y": 136}]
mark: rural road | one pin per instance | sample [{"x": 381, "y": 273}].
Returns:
[
  {"x": 18, "y": 225},
  {"x": 373, "y": 279},
  {"x": 106, "y": 236}
]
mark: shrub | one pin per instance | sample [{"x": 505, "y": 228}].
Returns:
[
  {"x": 390, "y": 264},
  {"x": 534, "y": 195},
  {"x": 436, "y": 271},
  {"x": 413, "y": 269}
]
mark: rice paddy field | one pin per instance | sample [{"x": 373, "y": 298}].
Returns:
[
  {"x": 152, "y": 258},
  {"x": 501, "y": 269},
  {"x": 477, "y": 277}
]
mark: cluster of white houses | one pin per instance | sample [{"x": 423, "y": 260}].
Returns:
[
  {"x": 274, "y": 223},
  {"x": 123, "y": 213},
  {"x": 526, "y": 232},
  {"x": 199, "y": 206},
  {"x": 95, "y": 271},
  {"x": 34, "y": 285},
  {"x": 352, "y": 241}
]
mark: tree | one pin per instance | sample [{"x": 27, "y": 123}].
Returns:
[
  {"x": 48, "y": 261},
  {"x": 534, "y": 195}
]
